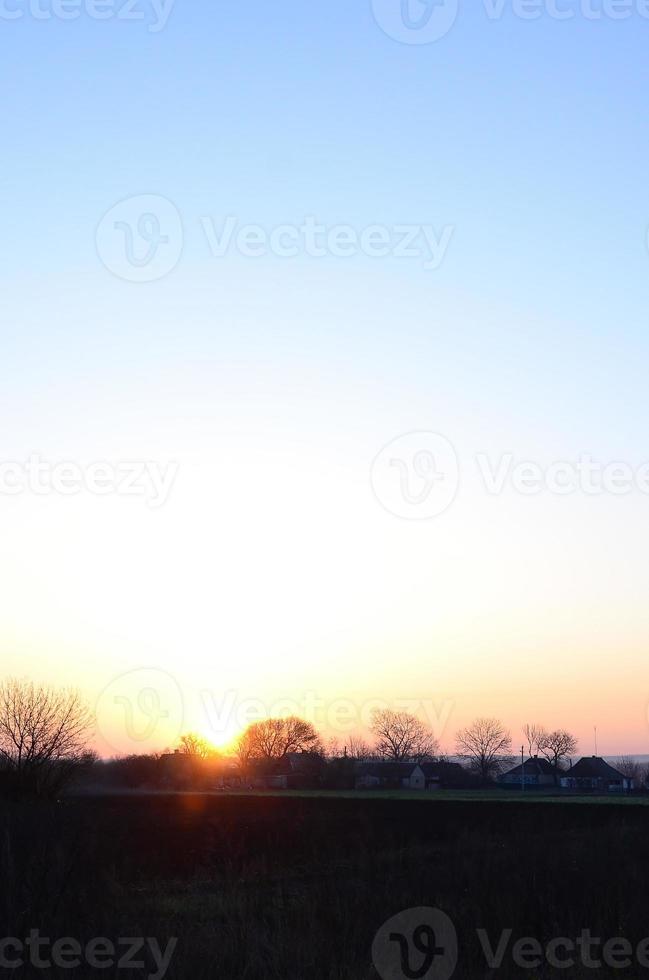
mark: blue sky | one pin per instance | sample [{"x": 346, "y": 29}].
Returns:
[
  {"x": 275, "y": 382},
  {"x": 526, "y": 136}
]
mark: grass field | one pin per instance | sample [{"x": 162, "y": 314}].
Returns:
[
  {"x": 439, "y": 796},
  {"x": 295, "y": 886}
]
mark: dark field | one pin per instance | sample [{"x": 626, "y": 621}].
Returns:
[{"x": 297, "y": 887}]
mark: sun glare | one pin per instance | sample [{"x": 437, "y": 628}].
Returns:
[{"x": 222, "y": 740}]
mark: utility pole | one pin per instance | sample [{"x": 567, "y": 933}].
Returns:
[
  {"x": 522, "y": 768},
  {"x": 595, "y": 739}
]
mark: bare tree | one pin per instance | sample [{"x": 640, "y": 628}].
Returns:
[
  {"x": 534, "y": 736},
  {"x": 332, "y": 749},
  {"x": 557, "y": 746},
  {"x": 643, "y": 776},
  {"x": 44, "y": 734},
  {"x": 276, "y": 737},
  {"x": 402, "y": 737},
  {"x": 357, "y": 748},
  {"x": 244, "y": 748},
  {"x": 632, "y": 770},
  {"x": 486, "y": 745},
  {"x": 300, "y": 736},
  {"x": 196, "y": 747}
]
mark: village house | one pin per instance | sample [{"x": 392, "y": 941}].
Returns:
[
  {"x": 295, "y": 770},
  {"x": 594, "y": 774},
  {"x": 533, "y": 772},
  {"x": 396, "y": 775},
  {"x": 434, "y": 773}
]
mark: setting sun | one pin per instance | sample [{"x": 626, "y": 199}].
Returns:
[{"x": 324, "y": 489}]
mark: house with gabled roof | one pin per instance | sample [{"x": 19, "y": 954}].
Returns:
[
  {"x": 533, "y": 772},
  {"x": 391, "y": 775},
  {"x": 593, "y": 774}
]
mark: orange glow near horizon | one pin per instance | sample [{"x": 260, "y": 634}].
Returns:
[{"x": 419, "y": 615}]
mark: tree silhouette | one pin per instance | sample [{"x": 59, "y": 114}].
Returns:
[
  {"x": 486, "y": 744},
  {"x": 402, "y": 737},
  {"x": 44, "y": 734},
  {"x": 557, "y": 746},
  {"x": 357, "y": 748},
  {"x": 534, "y": 736},
  {"x": 197, "y": 747},
  {"x": 275, "y": 738}
]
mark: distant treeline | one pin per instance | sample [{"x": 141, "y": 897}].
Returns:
[{"x": 45, "y": 734}]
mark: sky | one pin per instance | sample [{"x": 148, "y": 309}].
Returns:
[{"x": 335, "y": 314}]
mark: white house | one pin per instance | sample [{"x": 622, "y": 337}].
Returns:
[{"x": 394, "y": 775}]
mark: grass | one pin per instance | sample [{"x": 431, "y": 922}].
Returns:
[
  {"x": 289, "y": 886},
  {"x": 439, "y": 796}
]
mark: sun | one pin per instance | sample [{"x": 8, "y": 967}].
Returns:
[{"x": 222, "y": 739}]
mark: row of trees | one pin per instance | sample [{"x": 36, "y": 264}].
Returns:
[
  {"x": 44, "y": 737},
  {"x": 398, "y": 736},
  {"x": 487, "y": 746}
]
